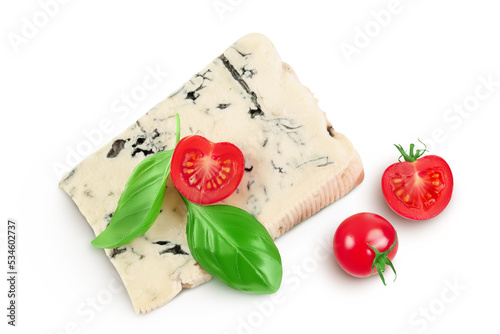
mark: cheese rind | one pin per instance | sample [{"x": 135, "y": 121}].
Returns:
[{"x": 295, "y": 163}]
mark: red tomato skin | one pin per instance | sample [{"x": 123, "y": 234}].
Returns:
[
  {"x": 408, "y": 169},
  {"x": 213, "y": 153},
  {"x": 351, "y": 239}
]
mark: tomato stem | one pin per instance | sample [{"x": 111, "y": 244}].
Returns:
[
  {"x": 178, "y": 129},
  {"x": 411, "y": 156},
  {"x": 381, "y": 260}
]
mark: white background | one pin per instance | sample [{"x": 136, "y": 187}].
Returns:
[{"x": 69, "y": 74}]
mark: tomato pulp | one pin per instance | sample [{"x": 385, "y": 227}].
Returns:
[
  {"x": 418, "y": 188},
  {"x": 205, "y": 172},
  {"x": 364, "y": 244}
]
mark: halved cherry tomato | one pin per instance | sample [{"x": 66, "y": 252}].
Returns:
[
  {"x": 418, "y": 188},
  {"x": 206, "y": 172},
  {"x": 364, "y": 244}
]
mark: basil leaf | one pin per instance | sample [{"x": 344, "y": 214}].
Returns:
[
  {"x": 140, "y": 202},
  {"x": 233, "y": 246}
]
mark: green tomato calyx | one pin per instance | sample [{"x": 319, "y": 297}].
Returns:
[
  {"x": 411, "y": 156},
  {"x": 381, "y": 260}
]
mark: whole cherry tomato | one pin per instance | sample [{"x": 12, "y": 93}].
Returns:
[{"x": 364, "y": 244}]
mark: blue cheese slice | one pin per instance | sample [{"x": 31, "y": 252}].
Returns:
[{"x": 295, "y": 163}]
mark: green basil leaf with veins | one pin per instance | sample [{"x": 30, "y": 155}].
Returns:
[
  {"x": 140, "y": 202},
  {"x": 233, "y": 246}
]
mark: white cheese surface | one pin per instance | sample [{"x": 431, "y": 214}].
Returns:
[{"x": 295, "y": 163}]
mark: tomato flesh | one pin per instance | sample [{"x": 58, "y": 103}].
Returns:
[
  {"x": 350, "y": 242},
  {"x": 205, "y": 172},
  {"x": 418, "y": 190}
]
